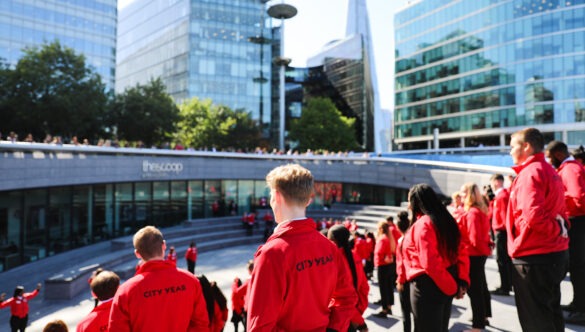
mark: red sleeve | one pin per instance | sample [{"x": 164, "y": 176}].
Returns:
[
  {"x": 432, "y": 262},
  {"x": 6, "y": 303},
  {"x": 31, "y": 295},
  {"x": 199, "y": 318},
  {"x": 400, "y": 272},
  {"x": 463, "y": 263},
  {"x": 344, "y": 297},
  {"x": 264, "y": 306},
  {"x": 574, "y": 182},
  {"x": 119, "y": 317}
]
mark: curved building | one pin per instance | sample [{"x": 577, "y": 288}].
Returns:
[{"x": 478, "y": 70}]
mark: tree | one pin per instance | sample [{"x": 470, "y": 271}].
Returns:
[
  {"x": 52, "y": 90},
  {"x": 203, "y": 124},
  {"x": 144, "y": 113},
  {"x": 322, "y": 127}
]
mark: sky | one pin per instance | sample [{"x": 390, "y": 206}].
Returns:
[{"x": 321, "y": 21}]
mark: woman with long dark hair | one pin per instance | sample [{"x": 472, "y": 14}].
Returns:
[
  {"x": 339, "y": 235},
  {"x": 435, "y": 262},
  {"x": 474, "y": 225}
]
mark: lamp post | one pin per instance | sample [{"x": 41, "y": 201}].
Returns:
[
  {"x": 281, "y": 11},
  {"x": 260, "y": 79}
]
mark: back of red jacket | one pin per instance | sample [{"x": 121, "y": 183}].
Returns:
[
  {"x": 296, "y": 275},
  {"x": 573, "y": 177},
  {"x": 159, "y": 297},
  {"x": 475, "y": 232},
  {"x": 499, "y": 209},
  {"x": 97, "y": 320},
  {"x": 537, "y": 201}
]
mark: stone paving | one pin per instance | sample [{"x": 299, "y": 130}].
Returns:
[{"x": 225, "y": 264}]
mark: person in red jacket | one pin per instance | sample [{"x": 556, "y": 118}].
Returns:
[
  {"x": 435, "y": 261},
  {"x": 340, "y": 236},
  {"x": 300, "y": 281},
  {"x": 537, "y": 234},
  {"x": 18, "y": 304},
  {"x": 474, "y": 226},
  {"x": 240, "y": 299},
  {"x": 402, "y": 286},
  {"x": 384, "y": 261},
  {"x": 191, "y": 257},
  {"x": 573, "y": 176},
  {"x": 159, "y": 297},
  {"x": 172, "y": 256},
  {"x": 499, "y": 210},
  {"x": 103, "y": 287}
]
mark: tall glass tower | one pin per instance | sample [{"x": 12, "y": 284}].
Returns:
[
  {"x": 201, "y": 49},
  {"x": 86, "y": 26},
  {"x": 478, "y": 70}
]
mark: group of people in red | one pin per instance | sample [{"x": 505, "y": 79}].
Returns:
[{"x": 303, "y": 281}]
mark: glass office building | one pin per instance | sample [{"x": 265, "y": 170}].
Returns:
[
  {"x": 86, "y": 26},
  {"x": 199, "y": 49},
  {"x": 478, "y": 70}
]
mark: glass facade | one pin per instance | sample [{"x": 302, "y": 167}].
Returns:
[
  {"x": 199, "y": 49},
  {"x": 86, "y": 26},
  {"x": 478, "y": 69},
  {"x": 63, "y": 218}
]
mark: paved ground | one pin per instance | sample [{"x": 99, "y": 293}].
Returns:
[{"x": 223, "y": 265}]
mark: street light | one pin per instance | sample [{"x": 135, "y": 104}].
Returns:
[{"x": 283, "y": 12}]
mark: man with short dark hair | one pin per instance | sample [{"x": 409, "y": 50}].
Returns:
[
  {"x": 499, "y": 209},
  {"x": 159, "y": 297},
  {"x": 537, "y": 234},
  {"x": 573, "y": 176},
  {"x": 103, "y": 286},
  {"x": 300, "y": 281}
]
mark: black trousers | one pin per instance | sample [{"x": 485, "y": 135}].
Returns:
[
  {"x": 404, "y": 297},
  {"x": 431, "y": 308},
  {"x": 504, "y": 261},
  {"x": 385, "y": 276},
  {"x": 537, "y": 290},
  {"x": 479, "y": 295},
  {"x": 191, "y": 266},
  {"x": 577, "y": 261},
  {"x": 18, "y": 324}
]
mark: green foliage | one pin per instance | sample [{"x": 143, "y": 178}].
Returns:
[
  {"x": 52, "y": 90},
  {"x": 144, "y": 113},
  {"x": 322, "y": 127},
  {"x": 203, "y": 124}
]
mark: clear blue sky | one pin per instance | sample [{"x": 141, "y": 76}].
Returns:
[{"x": 321, "y": 21}]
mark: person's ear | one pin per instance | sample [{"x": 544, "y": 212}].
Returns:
[
  {"x": 164, "y": 246},
  {"x": 137, "y": 254}
]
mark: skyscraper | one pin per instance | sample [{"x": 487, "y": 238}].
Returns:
[
  {"x": 199, "y": 49},
  {"x": 86, "y": 26},
  {"x": 478, "y": 70},
  {"x": 344, "y": 71}
]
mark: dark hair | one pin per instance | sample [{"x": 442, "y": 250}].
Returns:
[
  {"x": 579, "y": 153},
  {"x": 424, "y": 201},
  {"x": 19, "y": 290},
  {"x": 250, "y": 265},
  {"x": 497, "y": 176},
  {"x": 208, "y": 295},
  {"x": 56, "y": 326},
  {"x": 557, "y": 146},
  {"x": 105, "y": 285},
  {"x": 340, "y": 235},
  {"x": 403, "y": 222},
  {"x": 390, "y": 218},
  {"x": 531, "y": 136},
  {"x": 218, "y": 296}
]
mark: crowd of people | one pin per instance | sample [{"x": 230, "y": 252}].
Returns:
[{"x": 433, "y": 253}]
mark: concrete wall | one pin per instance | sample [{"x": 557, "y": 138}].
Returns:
[{"x": 38, "y": 166}]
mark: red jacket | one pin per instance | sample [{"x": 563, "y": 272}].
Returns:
[
  {"x": 536, "y": 199},
  {"x": 474, "y": 226},
  {"x": 421, "y": 255},
  {"x": 400, "y": 270},
  {"x": 361, "y": 248},
  {"x": 240, "y": 296},
  {"x": 219, "y": 318},
  {"x": 19, "y": 305},
  {"x": 499, "y": 209},
  {"x": 296, "y": 275},
  {"x": 97, "y": 320},
  {"x": 363, "y": 288},
  {"x": 395, "y": 233},
  {"x": 191, "y": 254},
  {"x": 573, "y": 177},
  {"x": 383, "y": 254},
  {"x": 159, "y": 297}
]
